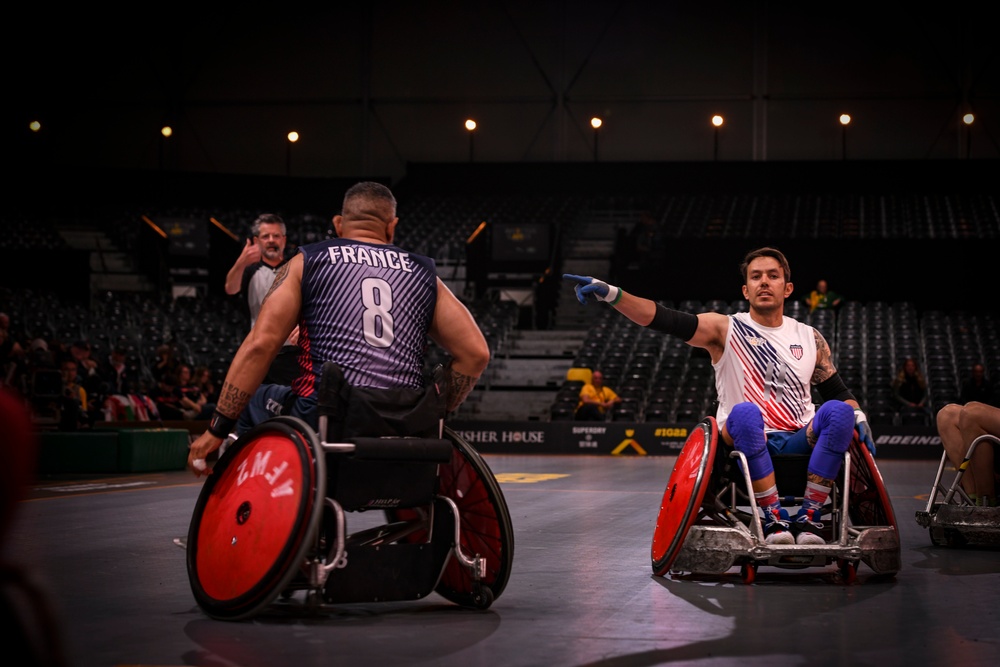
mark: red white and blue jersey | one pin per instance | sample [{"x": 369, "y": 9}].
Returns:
[
  {"x": 367, "y": 307},
  {"x": 771, "y": 367}
]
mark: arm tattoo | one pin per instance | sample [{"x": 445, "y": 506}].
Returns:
[
  {"x": 279, "y": 278},
  {"x": 459, "y": 388},
  {"x": 232, "y": 400},
  {"x": 824, "y": 361}
]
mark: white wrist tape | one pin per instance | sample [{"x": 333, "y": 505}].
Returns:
[{"x": 613, "y": 294}]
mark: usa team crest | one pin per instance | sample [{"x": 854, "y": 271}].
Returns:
[{"x": 796, "y": 351}]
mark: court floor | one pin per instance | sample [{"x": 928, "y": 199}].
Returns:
[{"x": 581, "y": 590}]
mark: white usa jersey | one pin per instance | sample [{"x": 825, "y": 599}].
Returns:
[{"x": 771, "y": 367}]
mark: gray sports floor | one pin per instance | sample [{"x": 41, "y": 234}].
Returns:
[{"x": 581, "y": 590}]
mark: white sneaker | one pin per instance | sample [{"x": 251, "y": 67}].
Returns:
[
  {"x": 777, "y": 530},
  {"x": 807, "y": 530}
]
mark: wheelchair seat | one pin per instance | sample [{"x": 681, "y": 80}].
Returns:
[{"x": 272, "y": 518}]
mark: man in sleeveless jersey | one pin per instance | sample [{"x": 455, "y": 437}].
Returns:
[
  {"x": 358, "y": 301},
  {"x": 765, "y": 366}
]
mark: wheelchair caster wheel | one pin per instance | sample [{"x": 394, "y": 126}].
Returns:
[
  {"x": 946, "y": 537},
  {"x": 954, "y": 538},
  {"x": 748, "y": 572},
  {"x": 849, "y": 571},
  {"x": 482, "y": 598}
]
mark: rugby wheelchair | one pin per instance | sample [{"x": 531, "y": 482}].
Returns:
[
  {"x": 951, "y": 517},
  {"x": 271, "y": 519},
  {"x": 708, "y": 521}
]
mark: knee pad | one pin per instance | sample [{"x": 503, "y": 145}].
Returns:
[
  {"x": 834, "y": 427},
  {"x": 746, "y": 426}
]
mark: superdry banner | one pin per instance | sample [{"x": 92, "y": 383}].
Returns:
[{"x": 645, "y": 439}]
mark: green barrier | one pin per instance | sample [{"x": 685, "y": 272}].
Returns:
[
  {"x": 77, "y": 452},
  {"x": 112, "y": 450},
  {"x": 144, "y": 450}
]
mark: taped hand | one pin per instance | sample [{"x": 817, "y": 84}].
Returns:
[
  {"x": 592, "y": 286},
  {"x": 864, "y": 431}
]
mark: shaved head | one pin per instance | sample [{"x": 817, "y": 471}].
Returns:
[{"x": 369, "y": 201}]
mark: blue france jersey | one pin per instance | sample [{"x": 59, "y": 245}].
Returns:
[{"x": 368, "y": 308}]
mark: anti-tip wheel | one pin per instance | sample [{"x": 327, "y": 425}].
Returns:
[
  {"x": 483, "y": 598},
  {"x": 849, "y": 571}
]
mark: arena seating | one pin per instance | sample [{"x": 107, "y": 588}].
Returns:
[{"x": 661, "y": 378}]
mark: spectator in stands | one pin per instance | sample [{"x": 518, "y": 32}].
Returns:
[
  {"x": 59, "y": 350},
  {"x": 201, "y": 378},
  {"x": 909, "y": 387},
  {"x": 380, "y": 350},
  {"x": 39, "y": 355},
  {"x": 43, "y": 382},
  {"x": 959, "y": 426},
  {"x": 641, "y": 239},
  {"x": 167, "y": 397},
  {"x": 115, "y": 376},
  {"x": 80, "y": 352},
  {"x": 252, "y": 276},
  {"x": 765, "y": 364},
  {"x": 634, "y": 249},
  {"x": 977, "y": 387},
  {"x": 11, "y": 355},
  {"x": 822, "y": 298},
  {"x": 193, "y": 404},
  {"x": 595, "y": 399},
  {"x": 73, "y": 409},
  {"x": 123, "y": 394},
  {"x": 165, "y": 363}
]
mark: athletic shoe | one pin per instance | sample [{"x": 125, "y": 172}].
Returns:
[
  {"x": 807, "y": 529},
  {"x": 776, "y": 528}
]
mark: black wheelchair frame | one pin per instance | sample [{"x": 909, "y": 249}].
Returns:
[{"x": 271, "y": 520}]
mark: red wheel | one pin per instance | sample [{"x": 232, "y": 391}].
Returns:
[
  {"x": 485, "y": 526},
  {"x": 684, "y": 494},
  {"x": 869, "y": 503},
  {"x": 253, "y": 521},
  {"x": 748, "y": 572}
]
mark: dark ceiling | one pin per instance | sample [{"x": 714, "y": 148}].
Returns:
[{"x": 373, "y": 87}]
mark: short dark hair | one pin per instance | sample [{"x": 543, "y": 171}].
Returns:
[
  {"x": 766, "y": 252},
  {"x": 376, "y": 201},
  {"x": 266, "y": 219}
]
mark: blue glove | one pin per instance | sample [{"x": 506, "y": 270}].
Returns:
[
  {"x": 598, "y": 288},
  {"x": 864, "y": 432}
]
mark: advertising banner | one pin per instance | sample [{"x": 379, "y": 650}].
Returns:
[{"x": 644, "y": 439}]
